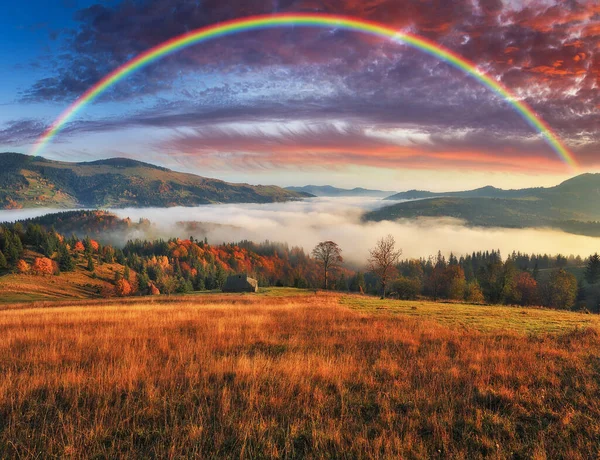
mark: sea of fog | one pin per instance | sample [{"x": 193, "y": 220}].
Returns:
[{"x": 305, "y": 223}]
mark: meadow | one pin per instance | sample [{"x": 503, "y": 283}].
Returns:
[{"x": 294, "y": 374}]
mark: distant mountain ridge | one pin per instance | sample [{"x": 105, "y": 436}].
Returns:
[
  {"x": 573, "y": 206},
  {"x": 330, "y": 191},
  {"x": 27, "y": 181},
  {"x": 483, "y": 192}
]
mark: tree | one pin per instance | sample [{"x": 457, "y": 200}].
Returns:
[
  {"x": 358, "y": 283},
  {"x": 436, "y": 280},
  {"x": 123, "y": 288},
  {"x": 342, "y": 283},
  {"x": 407, "y": 288},
  {"x": 383, "y": 260},
  {"x": 22, "y": 266},
  {"x": 560, "y": 291},
  {"x": 473, "y": 293},
  {"x": 3, "y": 263},
  {"x": 90, "y": 264},
  {"x": 526, "y": 289},
  {"x": 592, "y": 271},
  {"x": 329, "y": 256},
  {"x": 455, "y": 282},
  {"x": 42, "y": 266},
  {"x": 65, "y": 261}
]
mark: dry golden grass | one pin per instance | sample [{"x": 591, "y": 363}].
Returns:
[
  {"x": 302, "y": 376},
  {"x": 79, "y": 284}
]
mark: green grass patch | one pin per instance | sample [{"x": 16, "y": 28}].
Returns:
[{"x": 481, "y": 317}]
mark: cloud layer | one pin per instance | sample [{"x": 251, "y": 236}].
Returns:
[{"x": 547, "y": 51}]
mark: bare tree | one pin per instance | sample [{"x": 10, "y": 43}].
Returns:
[
  {"x": 383, "y": 260},
  {"x": 329, "y": 256}
]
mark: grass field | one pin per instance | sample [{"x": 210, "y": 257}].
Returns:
[{"x": 296, "y": 375}]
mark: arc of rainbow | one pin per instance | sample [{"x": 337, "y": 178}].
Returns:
[{"x": 307, "y": 20}]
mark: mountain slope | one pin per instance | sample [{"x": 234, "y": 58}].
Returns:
[
  {"x": 329, "y": 191},
  {"x": 580, "y": 194},
  {"x": 27, "y": 181},
  {"x": 573, "y": 206}
]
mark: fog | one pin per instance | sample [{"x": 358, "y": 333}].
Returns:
[{"x": 305, "y": 223}]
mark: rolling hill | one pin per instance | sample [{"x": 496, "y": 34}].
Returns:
[
  {"x": 330, "y": 191},
  {"x": 572, "y": 206},
  {"x": 27, "y": 181}
]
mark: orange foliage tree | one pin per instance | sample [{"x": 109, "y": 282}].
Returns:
[
  {"x": 123, "y": 288},
  {"x": 22, "y": 266},
  {"x": 42, "y": 266}
]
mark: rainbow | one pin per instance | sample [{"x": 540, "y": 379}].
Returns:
[{"x": 306, "y": 20}]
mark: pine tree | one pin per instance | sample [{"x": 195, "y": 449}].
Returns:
[
  {"x": 3, "y": 263},
  {"x": 592, "y": 271},
  {"x": 65, "y": 260},
  {"x": 536, "y": 271},
  {"x": 90, "y": 264}
]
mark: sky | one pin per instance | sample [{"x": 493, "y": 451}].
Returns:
[{"x": 297, "y": 106}]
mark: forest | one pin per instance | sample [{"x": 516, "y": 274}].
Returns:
[{"x": 186, "y": 265}]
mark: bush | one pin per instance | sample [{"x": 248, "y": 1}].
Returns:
[{"x": 407, "y": 288}]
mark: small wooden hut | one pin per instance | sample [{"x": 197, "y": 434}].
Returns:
[{"x": 240, "y": 283}]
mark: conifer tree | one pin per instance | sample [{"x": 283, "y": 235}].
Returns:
[
  {"x": 592, "y": 271},
  {"x": 90, "y": 264}
]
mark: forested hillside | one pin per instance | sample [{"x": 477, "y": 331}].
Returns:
[{"x": 27, "y": 181}]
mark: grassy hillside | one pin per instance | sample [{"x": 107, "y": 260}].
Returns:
[
  {"x": 33, "y": 181},
  {"x": 297, "y": 377},
  {"x": 79, "y": 284}
]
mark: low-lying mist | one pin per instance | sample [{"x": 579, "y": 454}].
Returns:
[{"x": 305, "y": 223}]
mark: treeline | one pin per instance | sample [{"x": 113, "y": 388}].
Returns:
[
  {"x": 485, "y": 277},
  {"x": 153, "y": 267},
  {"x": 181, "y": 266}
]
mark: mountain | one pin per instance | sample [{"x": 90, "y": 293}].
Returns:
[
  {"x": 329, "y": 191},
  {"x": 27, "y": 181},
  {"x": 572, "y": 206},
  {"x": 483, "y": 192}
]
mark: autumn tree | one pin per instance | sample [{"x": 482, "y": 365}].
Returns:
[
  {"x": 473, "y": 293},
  {"x": 525, "y": 291},
  {"x": 436, "y": 280},
  {"x": 383, "y": 260},
  {"x": 42, "y": 266},
  {"x": 22, "y": 266},
  {"x": 456, "y": 283},
  {"x": 560, "y": 290},
  {"x": 123, "y": 288},
  {"x": 329, "y": 256}
]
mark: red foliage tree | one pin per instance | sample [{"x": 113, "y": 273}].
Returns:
[{"x": 526, "y": 289}]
